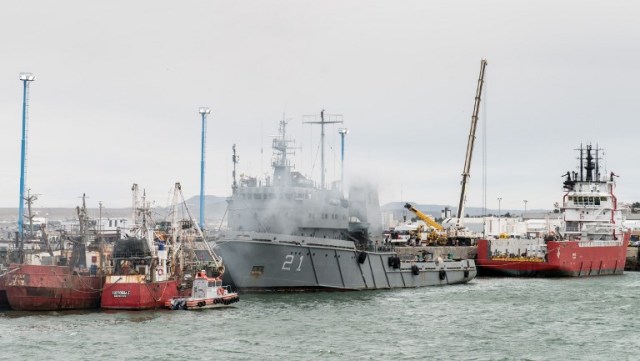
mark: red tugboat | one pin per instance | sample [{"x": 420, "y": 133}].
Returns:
[
  {"x": 155, "y": 265},
  {"x": 207, "y": 292},
  {"x": 592, "y": 241},
  {"x": 68, "y": 285}
]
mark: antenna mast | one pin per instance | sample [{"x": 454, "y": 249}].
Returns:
[
  {"x": 235, "y": 158},
  {"x": 322, "y": 122},
  {"x": 472, "y": 137},
  {"x": 134, "y": 205}
]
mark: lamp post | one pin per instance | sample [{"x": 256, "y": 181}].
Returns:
[
  {"x": 343, "y": 132},
  {"x": 499, "y": 212},
  {"x": 203, "y": 112},
  {"x": 100, "y": 220},
  {"x": 25, "y": 78}
]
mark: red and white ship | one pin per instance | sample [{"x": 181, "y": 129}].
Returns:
[
  {"x": 592, "y": 240},
  {"x": 141, "y": 279},
  {"x": 156, "y": 264}
]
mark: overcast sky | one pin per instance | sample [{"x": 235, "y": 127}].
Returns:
[{"x": 119, "y": 84}]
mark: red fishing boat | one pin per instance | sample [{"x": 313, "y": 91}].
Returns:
[
  {"x": 74, "y": 282},
  {"x": 156, "y": 264},
  {"x": 141, "y": 278},
  {"x": 52, "y": 288},
  {"x": 592, "y": 240}
]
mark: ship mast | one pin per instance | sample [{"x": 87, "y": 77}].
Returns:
[
  {"x": 235, "y": 158},
  {"x": 281, "y": 165},
  {"x": 30, "y": 199},
  {"x": 83, "y": 218},
  {"x": 322, "y": 123},
  {"x": 472, "y": 137},
  {"x": 134, "y": 201}
]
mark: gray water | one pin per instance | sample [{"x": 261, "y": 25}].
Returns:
[{"x": 487, "y": 319}]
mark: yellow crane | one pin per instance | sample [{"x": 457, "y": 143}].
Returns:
[{"x": 428, "y": 220}]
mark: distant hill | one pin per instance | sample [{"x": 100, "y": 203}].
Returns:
[
  {"x": 215, "y": 208},
  {"x": 436, "y": 209}
]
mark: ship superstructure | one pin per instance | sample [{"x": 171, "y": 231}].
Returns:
[{"x": 288, "y": 203}]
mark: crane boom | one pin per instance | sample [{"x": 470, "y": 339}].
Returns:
[
  {"x": 428, "y": 220},
  {"x": 472, "y": 137}
]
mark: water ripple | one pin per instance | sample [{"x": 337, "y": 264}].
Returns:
[{"x": 487, "y": 319}]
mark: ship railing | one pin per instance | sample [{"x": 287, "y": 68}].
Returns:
[
  {"x": 610, "y": 243},
  {"x": 593, "y": 229},
  {"x": 132, "y": 255},
  {"x": 603, "y": 218},
  {"x": 599, "y": 229}
]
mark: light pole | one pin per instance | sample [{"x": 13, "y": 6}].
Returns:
[
  {"x": 499, "y": 211},
  {"x": 100, "y": 222},
  {"x": 343, "y": 132},
  {"x": 25, "y": 78},
  {"x": 203, "y": 112}
]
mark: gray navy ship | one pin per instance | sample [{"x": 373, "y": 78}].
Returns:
[{"x": 286, "y": 234}]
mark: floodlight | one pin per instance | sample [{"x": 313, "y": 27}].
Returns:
[{"x": 27, "y": 77}]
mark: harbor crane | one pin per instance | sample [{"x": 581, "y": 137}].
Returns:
[{"x": 472, "y": 137}]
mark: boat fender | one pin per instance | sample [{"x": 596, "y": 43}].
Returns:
[
  {"x": 397, "y": 262},
  {"x": 415, "y": 270},
  {"x": 362, "y": 256},
  {"x": 160, "y": 271},
  {"x": 220, "y": 291},
  {"x": 442, "y": 274},
  {"x": 466, "y": 273},
  {"x": 391, "y": 261},
  {"x": 201, "y": 304}
]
